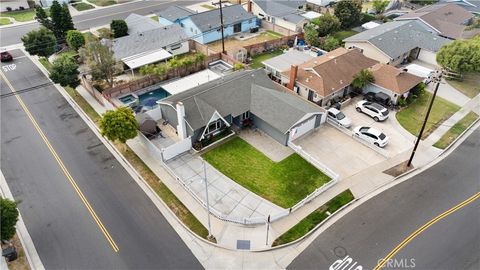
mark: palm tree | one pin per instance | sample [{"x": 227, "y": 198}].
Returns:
[{"x": 362, "y": 78}]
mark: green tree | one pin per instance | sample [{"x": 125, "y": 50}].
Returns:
[
  {"x": 119, "y": 124},
  {"x": 461, "y": 55},
  {"x": 330, "y": 43},
  {"x": 326, "y": 24},
  {"x": 8, "y": 217},
  {"x": 42, "y": 17},
  {"x": 75, "y": 39},
  {"x": 362, "y": 78},
  {"x": 40, "y": 42},
  {"x": 380, "y": 5},
  {"x": 119, "y": 28},
  {"x": 100, "y": 60},
  {"x": 311, "y": 35},
  {"x": 61, "y": 20},
  {"x": 348, "y": 12},
  {"x": 67, "y": 21},
  {"x": 65, "y": 71}
]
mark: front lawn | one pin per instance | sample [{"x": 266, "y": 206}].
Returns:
[
  {"x": 411, "y": 117},
  {"x": 469, "y": 85},
  {"x": 456, "y": 130},
  {"x": 103, "y": 3},
  {"x": 4, "y": 21},
  {"x": 259, "y": 58},
  {"x": 314, "y": 218},
  {"x": 284, "y": 183},
  {"x": 20, "y": 15},
  {"x": 81, "y": 6}
]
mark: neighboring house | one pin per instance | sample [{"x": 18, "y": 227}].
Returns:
[
  {"x": 287, "y": 13},
  {"x": 446, "y": 20},
  {"x": 392, "y": 81},
  {"x": 173, "y": 14},
  {"x": 13, "y": 4},
  {"x": 393, "y": 42},
  {"x": 320, "y": 5},
  {"x": 47, "y": 3},
  {"x": 240, "y": 98},
  {"x": 138, "y": 24},
  {"x": 472, "y": 6},
  {"x": 278, "y": 64},
  {"x": 205, "y": 27},
  {"x": 151, "y": 46},
  {"x": 327, "y": 77}
]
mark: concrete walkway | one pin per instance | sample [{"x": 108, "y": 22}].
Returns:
[{"x": 448, "y": 92}]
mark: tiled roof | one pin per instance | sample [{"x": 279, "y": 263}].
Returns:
[{"x": 394, "y": 79}]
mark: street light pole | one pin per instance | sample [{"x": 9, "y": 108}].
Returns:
[
  {"x": 206, "y": 194},
  {"x": 437, "y": 78}
]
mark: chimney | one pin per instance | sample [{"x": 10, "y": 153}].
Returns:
[
  {"x": 181, "y": 127},
  {"x": 293, "y": 76},
  {"x": 249, "y": 6}
]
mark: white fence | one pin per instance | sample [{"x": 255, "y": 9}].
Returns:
[
  {"x": 351, "y": 134},
  {"x": 177, "y": 149}
]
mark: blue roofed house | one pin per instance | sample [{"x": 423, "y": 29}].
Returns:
[{"x": 205, "y": 27}]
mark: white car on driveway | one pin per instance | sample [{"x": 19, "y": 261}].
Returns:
[
  {"x": 371, "y": 135},
  {"x": 338, "y": 117},
  {"x": 374, "y": 110}
]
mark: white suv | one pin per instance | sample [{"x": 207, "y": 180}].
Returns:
[
  {"x": 338, "y": 117},
  {"x": 374, "y": 110},
  {"x": 371, "y": 135}
]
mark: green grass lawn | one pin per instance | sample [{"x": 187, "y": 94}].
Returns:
[
  {"x": 259, "y": 58},
  {"x": 456, "y": 130},
  {"x": 274, "y": 34},
  {"x": 412, "y": 116},
  {"x": 284, "y": 183},
  {"x": 4, "y": 21},
  {"x": 82, "y": 6},
  {"x": 103, "y": 3},
  {"x": 314, "y": 218},
  {"x": 341, "y": 35},
  {"x": 44, "y": 61},
  {"x": 20, "y": 15},
  {"x": 155, "y": 18},
  {"x": 469, "y": 86}
]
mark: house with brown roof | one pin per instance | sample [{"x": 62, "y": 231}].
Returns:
[
  {"x": 446, "y": 20},
  {"x": 392, "y": 81},
  {"x": 325, "y": 78}
]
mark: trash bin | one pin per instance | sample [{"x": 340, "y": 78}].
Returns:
[{"x": 10, "y": 253}]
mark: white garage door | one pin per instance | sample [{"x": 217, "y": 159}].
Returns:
[
  {"x": 427, "y": 57},
  {"x": 303, "y": 128}
]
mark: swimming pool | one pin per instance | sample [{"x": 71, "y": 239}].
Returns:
[{"x": 144, "y": 98}]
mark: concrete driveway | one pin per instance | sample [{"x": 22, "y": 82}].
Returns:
[{"x": 400, "y": 140}]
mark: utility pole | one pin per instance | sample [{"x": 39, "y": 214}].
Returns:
[
  {"x": 221, "y": 26},
  {"x": 206, "y": 194},
  {"x": 437, "y": 78}
]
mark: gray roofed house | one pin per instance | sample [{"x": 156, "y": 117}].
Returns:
[
  {"x": 213, "y": 106},
  {"x": 397, "y": 40},
  {"x": 150, "y": 46},
  {"x": 173, "y": 13},
  {"x": 287, "y": 13},
  {"x": 278, "y": 64},
  {"x": 209, "y": 20},
  {"x": 137, "y": 23}
]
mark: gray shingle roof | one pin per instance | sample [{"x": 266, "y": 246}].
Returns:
[
  {"x": 137, "y": 23},
  {"x": 173, "y": 13},
  {"x": 211, "y": 19},
  {"x": 239, "y": 92},
  {"x": 398, "y": 37},
  {"x": 279, "y": 8},
  {"x": 148, "y": 41}
]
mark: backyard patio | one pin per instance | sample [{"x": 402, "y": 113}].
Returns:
[{"x": 233, "y": 43}]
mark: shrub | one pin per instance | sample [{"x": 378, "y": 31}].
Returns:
[
  {"x": 75, "y": 39},
  {"x": 65, "y": 71},
  {"x": 237, "y": 66},
  {"x": 119, "y": 28},
  {"x": 402, "y": 102},
  {"x": 9, "y": 9}
]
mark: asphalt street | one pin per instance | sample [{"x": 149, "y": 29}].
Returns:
[
  {"x": 11, "y": 35},
  {"x": 369, "y": 232},
  {"x": 63, "y": 230}
]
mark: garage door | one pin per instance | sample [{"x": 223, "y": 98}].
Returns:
[
  {"x": 303, "y": 128},
  {"x": 427, "y": 57}
]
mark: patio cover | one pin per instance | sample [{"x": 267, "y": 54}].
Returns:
[{"x": 138, "y": 61}]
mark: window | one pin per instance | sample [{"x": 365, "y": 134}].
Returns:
[
  {"x": 176, "y": 46},
  {"x": 246, "y": 115},
  {"x": 237, "y": 27},
  {"x": 191, "y": 29},
  {"x": 181, "y": 25},
  {"x": 214, "y": 126}
]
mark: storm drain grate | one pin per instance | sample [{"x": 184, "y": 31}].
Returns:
[{"x": 243, "y": 244}]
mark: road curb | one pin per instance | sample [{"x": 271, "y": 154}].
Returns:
[{"x": 25, "y": 239}]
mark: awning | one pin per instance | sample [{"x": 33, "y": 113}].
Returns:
[{"x": 136, "y": 62}]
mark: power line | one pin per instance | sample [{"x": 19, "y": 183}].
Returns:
[{"x": 18, "y": 92}]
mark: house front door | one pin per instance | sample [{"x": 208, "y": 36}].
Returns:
[{"x": 310, "y": 95}]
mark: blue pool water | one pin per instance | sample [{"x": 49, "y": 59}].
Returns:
[
  {"x": 149, "y": 98},
  {"x": 127, "y": 99}
]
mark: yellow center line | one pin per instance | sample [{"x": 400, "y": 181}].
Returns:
[
  {"x": 63, "y": 168},
  {"x": 412, "y": 236}
]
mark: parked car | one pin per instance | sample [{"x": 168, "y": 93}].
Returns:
[
  {"x": 338, "y": 117},
  {"x": 372, "y": 109},
  {"x": 5, "y": 56},
  {"x": 371, "y": 135},
  {"x": 379, "y": 97}
]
